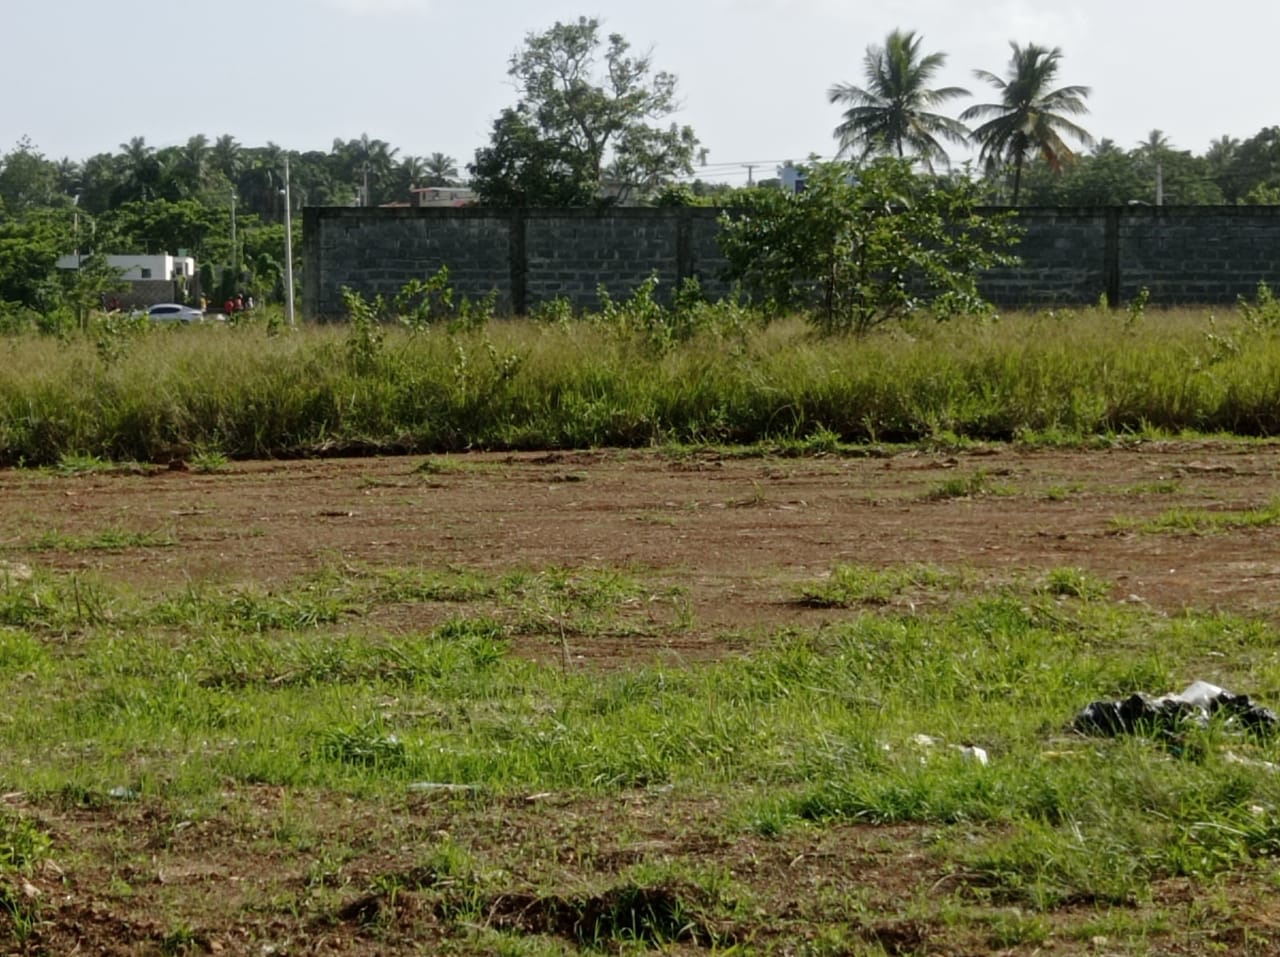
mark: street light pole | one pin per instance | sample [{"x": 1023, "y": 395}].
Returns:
[
  {"x": 288, "y": 246},
  {"x": 235, "y": 260},
  {"x": 75, "y": 203}
]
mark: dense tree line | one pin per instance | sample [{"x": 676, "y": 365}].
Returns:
[{"x": 143, "y": 199}]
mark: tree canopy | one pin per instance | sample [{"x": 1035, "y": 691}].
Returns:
[
  {"x": 587, "y": 127},
  {"x": 1031, "y": 116},
  {"x": 892, "y": 115}
]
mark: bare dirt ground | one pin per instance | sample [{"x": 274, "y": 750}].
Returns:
[{"x": 739, "y": 533}]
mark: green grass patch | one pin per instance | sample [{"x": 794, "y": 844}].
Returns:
[
  {"x": 445, "y": 465},
  {"x": 1159, "y": 487},
  {"x": 1062, "y": 493},
  {"x": 966, "y": 486},
  {"x": 851, "y": 585},
  {"x": 111, "y": 540},
  {"x": 1073, "y": 583},
  {"x": 1203, "y": 521},
  {"x": 178, "y": 699}
]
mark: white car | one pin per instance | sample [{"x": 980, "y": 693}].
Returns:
[{"x": 172, "y": 312}]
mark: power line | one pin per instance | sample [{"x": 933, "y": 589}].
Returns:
[{"x": 740, "y": 169}]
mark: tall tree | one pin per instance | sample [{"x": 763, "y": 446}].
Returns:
[
  {"x": 70, "y": 176},
  {"x": 1252, "y": 174},
  {"x": 142, "y": 171},
  {"x": 893, "y": 114},
  {"x": 226, "y": 156},
  {"x": 1220, "y": 158},
  {"x": 440, "y": 170},
  {"x": 1031, "y": 116},
  {"x": 409, "y": 173},
  {"x": 1155, "y": 143},
  {"x": 27, "y": 179},
  {"x": 522, "y": 167},
  {"x": 587, "y": 125},
  {"x": 102, "y": 179},
  {"x": 192, "y": 167},
  {"x": 369, "y": 164}
]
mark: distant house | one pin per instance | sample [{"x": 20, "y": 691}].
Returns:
[
  {"x": 151, "y": 279},
  {"x": 441, "y": 196},
  {"x": 791, "y": 177},
  {"x": 138, "y": 268}
]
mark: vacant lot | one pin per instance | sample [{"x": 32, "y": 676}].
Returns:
[{"x": 517, "y": 803}]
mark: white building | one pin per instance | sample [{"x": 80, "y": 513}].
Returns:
[
  {"x": 141, "y": 267},
  {"x": 442, "y": 196},
  {"x": 792, "y": 177}
]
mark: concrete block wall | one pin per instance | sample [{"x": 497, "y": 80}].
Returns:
[
  {"x": 1063, "y": 261},
  {"x": 375, "y": 251},
  {"x": 576, "y": 251},
  {"x": 148, "y": 292},
  {"x": 1209, "y": 254},
  {"x": 1069, "y": 256}
]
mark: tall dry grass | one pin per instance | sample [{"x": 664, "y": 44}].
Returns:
[{"x": 245, "y": 392}]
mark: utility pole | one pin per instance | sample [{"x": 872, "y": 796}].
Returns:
[
  {"x": 80, "y": 316},
  {"x": 750, "y": 167},
  {"x": 235, "y": 261},
  {"x": 75, "y": 203},
  {"x": 288, "y": 246}
]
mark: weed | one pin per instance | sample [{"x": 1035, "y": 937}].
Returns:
[
  {"x": 850, "y": 585},
  {"x": 208, "y": 461},
  {"x": 441, "y": 465},
  {"x": 1073, "y": 583},
  {"x": 1137, "y": 308},
  {"x": 83, "y": 465},
  {"x": 1203, "y": 521},
  {"x": 106, "y": 540},
  {"x": 1263, "y": 314},
  {"x": 367, "y": 745},
  {"x": 1016, "y": 929},
  {"x": 22, "y": 843},
  {"x": 364, "y": 335},
  {"x": 1060, "y": 493},
  {"x": 959, "y": 486},
  {"x": 180, "y": 940}
]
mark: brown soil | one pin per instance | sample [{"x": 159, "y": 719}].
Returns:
[{"x": 739, "y": 534}]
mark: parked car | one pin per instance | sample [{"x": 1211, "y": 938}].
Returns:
[{"x": 173, "y": 312}]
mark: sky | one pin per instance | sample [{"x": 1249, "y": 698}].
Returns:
[{"x": 81, "y": 77}]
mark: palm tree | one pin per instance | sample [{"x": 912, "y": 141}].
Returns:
[
  {"x": 142, "y": 169},
  {"x": 193, "y": 163},
  {"x": 1030, "y": 115},
  {"x": 441, "y": 170},
  {"x": 892, "y": 115},
  {"x": 1221, "y": 159},
  {"x": 367, "y": 162},
  {"x": 261, "y": 176},
  {"x": 226, "y": 156},
  {"x": 409, "y": 173},
  {"x": 1155, "y": 143},
  {"x": 70, "y": 176}
]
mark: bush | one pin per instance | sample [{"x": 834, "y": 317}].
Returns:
[{"x": 860, "y": 247}]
